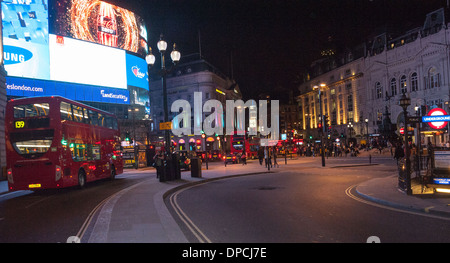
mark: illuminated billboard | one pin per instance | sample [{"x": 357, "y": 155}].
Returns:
[
  {"x": 23, "y": 87},
  {"x": 101, "y": 23},
  {"x": 137, "y": 74},
  {"x": 25, "y": 38},
  {"x": 82, "y": 62},
  {"x": 84, "y": 50}
]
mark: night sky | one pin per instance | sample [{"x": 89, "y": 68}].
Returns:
[{"x": 272, "y": 42}]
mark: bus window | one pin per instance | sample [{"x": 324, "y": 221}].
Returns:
[
  {"x": 32, "y": 144},
  {"x": 78, "y": 151},
  {"x": 96, "y": 152},
  {"x": 77, "y": 113},
  {"x": 115, "y": 124},
  {"x": 31, "y": 110},
  {"x": 101, "y": 120},
  {"x": 94, "y": 117},
  {"x": 109, "y": 122},
  {"x": 86, "y": 116},
  {"x": 66, "y": 111}
]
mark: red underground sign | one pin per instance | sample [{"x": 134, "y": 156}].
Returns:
[{"x": 437, "y": 118}]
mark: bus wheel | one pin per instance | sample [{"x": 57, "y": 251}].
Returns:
[
  {"x": 113, "y": 173},
  {"x": 81, "y": 179}
]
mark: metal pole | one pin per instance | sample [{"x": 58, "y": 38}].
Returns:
[
  {"x": 407, "y": 153},
  {"x": 323, "y": 129},
  {"x": 168, "y": 157}
]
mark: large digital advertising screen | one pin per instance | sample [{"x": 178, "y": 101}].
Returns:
[
  {"x": 82, "y": 62},
  {"x": 101, "y": 23},
  {"x": 137, "y": 73},
  {"x": 25, "y": 38}
]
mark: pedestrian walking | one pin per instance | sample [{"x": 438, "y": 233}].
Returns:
[
  {"x": 398, "y": 152},
  {"x": 260, "y": 155},
  {"x": 275, "y": 158},
  {"x": 159, "y": 162},
  {"x": 244, "y": 158}
]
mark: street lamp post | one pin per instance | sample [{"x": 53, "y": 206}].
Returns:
[
  {"x": 322, "y": 126},
  {"x": 367, "y": 133},
  {"x": 135, "y": 150},
  {"x": 175, "y": 55},
  {"x": 404, "y": 102}
]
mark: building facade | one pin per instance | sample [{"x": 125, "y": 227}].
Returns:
[
  {"x": 364, "y": 91},
  {"x": 193, "y": 75}
]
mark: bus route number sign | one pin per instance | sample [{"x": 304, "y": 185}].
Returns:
[{"x": 19, "y": 124}]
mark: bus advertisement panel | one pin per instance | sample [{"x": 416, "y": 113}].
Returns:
[{"x": 53, "y": 142}]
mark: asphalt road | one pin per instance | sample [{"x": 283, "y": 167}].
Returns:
[
  {"x": 298, "y": 203},
  {"x": 52, "y": 216}
]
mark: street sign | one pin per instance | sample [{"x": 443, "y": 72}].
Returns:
[
  {"x": 165, "y": 125},
  {"x": 413, "y": 119},
  {"x": 437, "y": 118}
]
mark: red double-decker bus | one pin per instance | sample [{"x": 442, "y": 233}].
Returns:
[{"x": 54, "y": 142}]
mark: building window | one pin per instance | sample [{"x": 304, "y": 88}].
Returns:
[
  {"x": 433, "y": 79},
  {"x": 393, "y": 87},
  {"x": 403, "y": 86},
  {"x": 350, "y": 102},
  {"x": 378, "y": 90},
  {"x": 414, "y": 82},
  {"x": 348, "y": 86},
  {"x": 350, "y": 116}
]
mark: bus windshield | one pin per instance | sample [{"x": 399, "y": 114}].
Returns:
[{"x": 32, "y": 144}]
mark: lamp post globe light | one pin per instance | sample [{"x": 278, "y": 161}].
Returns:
[
  {"x": 150, "y": 59},
  {"x": 405, "y": 102}
]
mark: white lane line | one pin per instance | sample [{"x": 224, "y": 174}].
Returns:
[
  {"x": 202, "y": 238},
  {"x": 349, "y": 194}
]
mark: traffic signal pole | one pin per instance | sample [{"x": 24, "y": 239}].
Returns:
[{"x": 322, "y": 128}]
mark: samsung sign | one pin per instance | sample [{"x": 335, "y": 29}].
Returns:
[{"x": 14, "y": 55}]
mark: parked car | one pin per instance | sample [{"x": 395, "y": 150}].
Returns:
[
  {"x": 201, "y": 155},
  {"x": 230, "y": 158},
  {"x": 215, "y": 155},
  {"x": 185, "y": 159}
]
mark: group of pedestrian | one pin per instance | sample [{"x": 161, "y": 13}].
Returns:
[{"x": 266, "y": 154}]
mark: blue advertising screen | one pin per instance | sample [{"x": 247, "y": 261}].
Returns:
[
  {"x": 137, "y": 74},
  {"x": 23, "y": 87}
]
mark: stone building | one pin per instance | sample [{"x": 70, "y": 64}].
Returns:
[{"x": 363, "y": 86}]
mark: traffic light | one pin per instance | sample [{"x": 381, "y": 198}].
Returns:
[
  {"x": 325, "y": 121},
  {"x": 127, "y": 136}
]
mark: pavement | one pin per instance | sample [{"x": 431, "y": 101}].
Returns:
[{"x": 138, "y": 214}]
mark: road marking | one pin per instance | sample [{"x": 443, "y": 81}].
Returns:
[
  {"x": 202, "y": 238},
  {"x": 349, "y": 194},
  {"x": 107, "y": 215}
]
